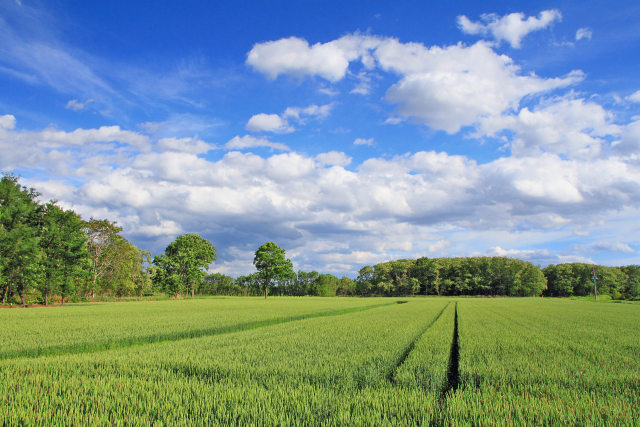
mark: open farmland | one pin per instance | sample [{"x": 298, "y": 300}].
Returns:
[{"x": 323, "y": 361}]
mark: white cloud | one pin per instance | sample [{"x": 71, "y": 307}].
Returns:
[
  {"x": 634, "y": 97},
  {"x": 8, "y": 121},
  {"x": 511, "y": 28},
  {"x": 80, "y": 137},
  {"x": 445, "y": 88},
  {"x": 280, "y": 123},
  {"x": 314, "y": 111},
  {"x": 163, "y": 228},
  {"x": 403, "y": 206},
  {"x": 572, "y": 127},
  {"x": 363, "y": 141},
  {"x": 583, "y": 33},
  {"x": 629, "y": 143},
  {"x": 76, "y": 105},
  {"x": 448, "y": 88},
  {"x": 294, "y": 56},
  {"x": 268, "y": 123},
  {"x": 333, "y": 158},
  {"x": 248, "y": 141},
  {"x": 615, "y": 247},
  {"x": 542, "y": 257},
  {"x": 186, "y": 145}
]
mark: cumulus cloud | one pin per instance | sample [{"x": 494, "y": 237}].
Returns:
[
  {"x": 629, "y": 143},
  {"x": 408, "y": 205},
  {"x": 8, "y": 121},
  {"x": 248, "y": 141},
  {"x": 583, "y": 33},
  {"x": 568, "y": 126},
  {"x": 280, "y": 123},
  {"x": 511, "y": 28},
  {"x": 187, "y": 145},
  {"x": 294, "y": 56},
  {"x": 448, "y": 88},
  {"x": 333, "y": 158},
  {"x": 445, "y": 88},
  {"x": 268, "y": 123}
]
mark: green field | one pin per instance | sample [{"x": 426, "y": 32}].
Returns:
[{"x": 322, "y": 361}]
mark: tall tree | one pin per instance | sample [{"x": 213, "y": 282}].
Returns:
[
  {"x": 102, "y": 236},
  {"x": 183, "y": 265},
  {"x": 272, "y": 265},
  {"x": 20, "y": 224},
  {"x": 64, "y": 252}
]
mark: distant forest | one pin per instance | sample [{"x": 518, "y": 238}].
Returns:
[{"x": 51, "y": 255}]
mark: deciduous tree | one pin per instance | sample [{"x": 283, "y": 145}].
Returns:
[{"x": 272, "y": 265}]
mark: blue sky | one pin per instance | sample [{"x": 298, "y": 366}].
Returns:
[{"x": 348, "y": 133}]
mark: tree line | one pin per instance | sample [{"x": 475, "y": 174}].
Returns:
[{"x": 47, "y": 252}]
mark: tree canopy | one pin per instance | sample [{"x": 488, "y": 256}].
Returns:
[
  {"x": 272, "y": 265},
  {"x": 182, "y": 267}
]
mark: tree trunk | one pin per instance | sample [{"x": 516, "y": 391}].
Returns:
[
  {"x": 266, "y": 288},
  {"x": 5, "y": 293},
  {"x": 192, "y": 292},
  {"x": 24, "y": 302},
  {"x": 46, "y": 299},
  {"x": 63, "y": 300}
]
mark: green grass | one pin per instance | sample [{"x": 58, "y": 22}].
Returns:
[
  {"x": 340, "y": 361},
  {"x": 79, "y": 328}
]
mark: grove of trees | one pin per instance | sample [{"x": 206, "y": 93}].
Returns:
[{"x": 47, "y": 252}]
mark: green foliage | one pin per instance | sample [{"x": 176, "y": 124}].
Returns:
[
  {"x": 451, "y": 276},
  {"x": 577, "y": 279},
  {"x": 48, "y": 252},
  {"x": 272, "y": 265},
  {"x": 182, "y": 267},
  {"x": 64, "y": 252},
  {"x": 20, "y": 225}
]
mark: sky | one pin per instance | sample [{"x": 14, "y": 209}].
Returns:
[{"x": 349, "y": 133}]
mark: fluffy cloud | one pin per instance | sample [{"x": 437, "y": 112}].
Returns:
[
  {"x": 333, "y": 158},
  {"x": 572, "y": 127},
  {"x": 629, "y": 143},
  {"x": 187, "y": 145},
  {"x": 511, "y": 28},
  {"x": 268, "y": 123},
  {"x": 8, "y": 121},
  {"x": 294, "y": 56},
  {"x": 443, "y": 87},
  {"x": 248, "y": 141},
  {"x": 280, "y": 123},
  {"x": 336, "y": 219},
  {"x": 448, "y": 88}
]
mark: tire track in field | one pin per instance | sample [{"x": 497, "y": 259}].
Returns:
[
  {"x": 453, "y": 373},
  {"x": 392, "y": 375},
  {"x": 118, "y": 344},
  {"x": 453, "y": 378}
]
